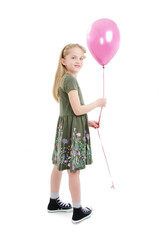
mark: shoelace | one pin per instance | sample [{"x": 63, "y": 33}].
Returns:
[
  {"x": 61, "y": 203},
  {"x": 86, "y": 210}
]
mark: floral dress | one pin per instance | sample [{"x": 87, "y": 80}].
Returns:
[{"x": 72, "y": 147}]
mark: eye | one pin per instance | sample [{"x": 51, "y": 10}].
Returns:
[
  {"x": 81, "y": 58},
  {"x": 73, "y": 57}
]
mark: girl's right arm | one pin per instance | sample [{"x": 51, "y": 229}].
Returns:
[{"x": 79, "y": 109}]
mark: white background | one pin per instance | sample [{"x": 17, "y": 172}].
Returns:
[{"x": 32, "y": 35}]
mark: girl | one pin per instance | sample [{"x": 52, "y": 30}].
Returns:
[{"x": 72, "y": 148}]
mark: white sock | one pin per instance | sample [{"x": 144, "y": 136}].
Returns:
[
  {"x": 54, "y": 195},
  {"x": 76, "y": 204}
]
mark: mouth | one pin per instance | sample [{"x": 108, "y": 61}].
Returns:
[{"x": 78, "y": 66}]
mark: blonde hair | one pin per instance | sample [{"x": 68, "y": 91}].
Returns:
[{"x": 61, "y": 69}]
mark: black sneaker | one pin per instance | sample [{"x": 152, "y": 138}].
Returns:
[
  {"x": 56, "y": 205},
  {"x": 79, "y": 214}
]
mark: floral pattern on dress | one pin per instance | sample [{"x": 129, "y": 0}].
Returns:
[{"x": 73, "y": 153}]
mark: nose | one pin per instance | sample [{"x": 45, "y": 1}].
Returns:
[{"x": 79, "y": 61}]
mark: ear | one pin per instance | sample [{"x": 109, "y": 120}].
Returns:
[{"x": 63, "y": 61}]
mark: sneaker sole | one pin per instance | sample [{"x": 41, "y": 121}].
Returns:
[
  {"x": 60, "y": 210},
  {"x": 78, "y": 221}
]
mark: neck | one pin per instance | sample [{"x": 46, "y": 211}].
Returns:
[{"x": 73, "y": 74}]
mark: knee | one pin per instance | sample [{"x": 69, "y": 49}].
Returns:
[{"x": 75, "y": 173}]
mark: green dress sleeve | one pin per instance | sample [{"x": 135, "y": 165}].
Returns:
[{"x": 70, "y": 83}]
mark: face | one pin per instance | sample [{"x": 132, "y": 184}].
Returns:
[{"x": 73, "y": 60}]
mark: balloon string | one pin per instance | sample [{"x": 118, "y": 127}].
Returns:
[
  {"x": 106, "y": 160},
  {"x": 100, "y": 137},
  {"x": 103, "y": 97}
]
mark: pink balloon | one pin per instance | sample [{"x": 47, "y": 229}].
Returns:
[{"x": 103, "y": 40}]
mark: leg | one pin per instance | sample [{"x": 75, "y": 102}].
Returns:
[
  {"x": 55, "y": 179},
  {"x": 79, "y": 213},
  {"x": 55, "y": 204},
  {"x": 74, "y": 186}
]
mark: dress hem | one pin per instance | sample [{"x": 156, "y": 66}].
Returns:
[{"x": 62, "y": 168}]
